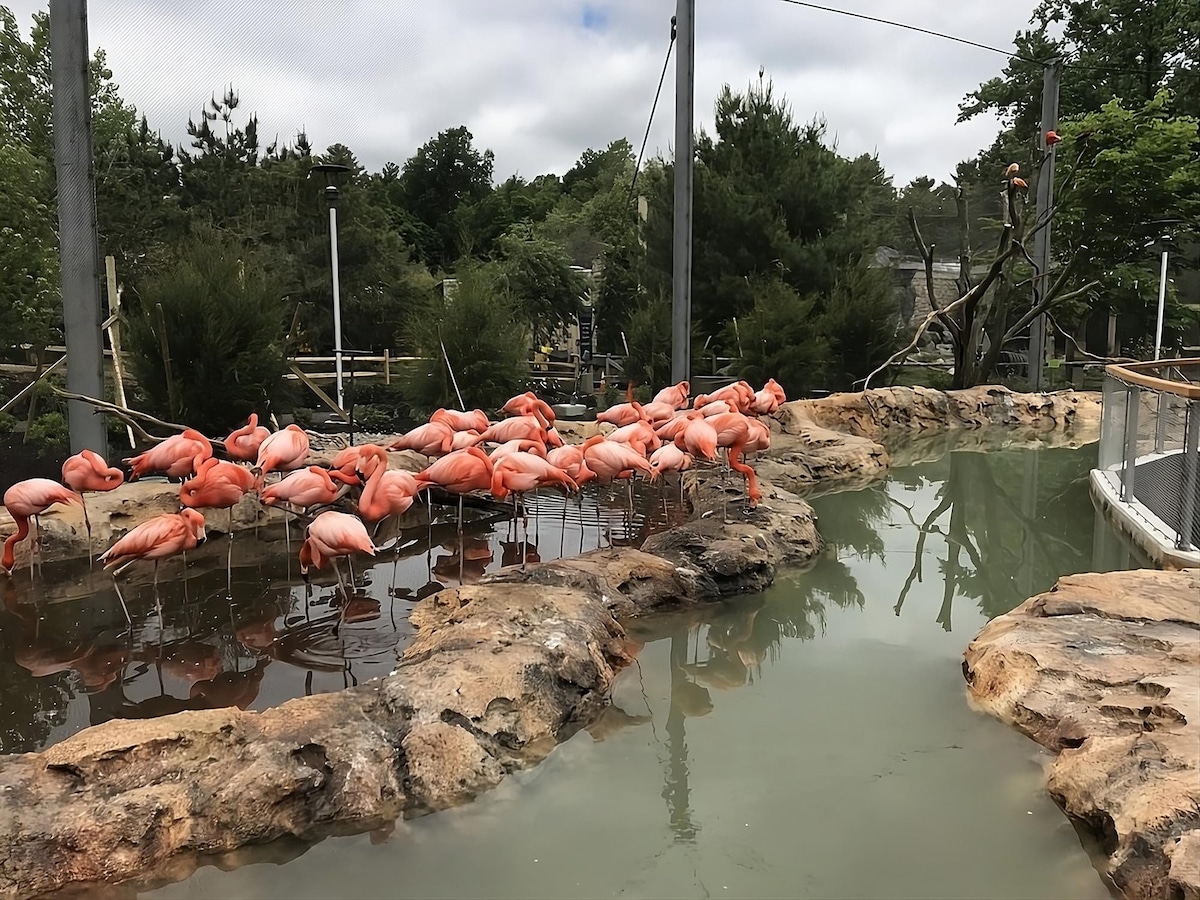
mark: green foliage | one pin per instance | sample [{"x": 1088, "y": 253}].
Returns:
[
  {"x": 30, "y": 308},
  {"x": 648, "y": 334},
  {"x": 225, "y": 325},
  {"x": 781, "y": 338},
  {"x": 484, "y": 342},
  {"x": 48, "y": 433},
  {"x": 537, "y": 274},
  {"x": 7, "y": 423},
  {"x": 861, "y": 325}
]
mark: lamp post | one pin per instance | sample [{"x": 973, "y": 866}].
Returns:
[
  {"x": 333, "y": 173},
  {"x": 1162, "y": 301}
]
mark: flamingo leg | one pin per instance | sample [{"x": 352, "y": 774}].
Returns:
[
  {"x": 117, "y": 588},
  {"x": 345, "y": 597},
  {"x": 88, "y": 526},
  {"x": 35, "y": 550},
  {"x": 460, "y": 514},
  {"x": 158, "y": 603},
  {"x": 229, "y": 560}
]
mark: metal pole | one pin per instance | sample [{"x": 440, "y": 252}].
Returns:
[
  {"x": 1162, "y": 306},
  {"x": 331, "y": 194},
  {"x": 1133, "y": 399},
  {"x": 681, "y": 268},
  {"x": 77, "y": 239},
  {"x": 1189, "y": 463},
  {"x": 1045, "y": 202}
]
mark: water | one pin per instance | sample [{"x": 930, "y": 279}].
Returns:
[
  {"x": 68, "y": 660},
  {"x": 811, "y": 741}
]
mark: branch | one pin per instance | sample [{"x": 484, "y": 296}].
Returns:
[
  {"x": 978, "y": 291},
  {"x": 1081, "y": 351},
  {"x": 130, "y": 416},
  {"x": 1034, "y": 311},
  {"x": 926, "y": 257}
]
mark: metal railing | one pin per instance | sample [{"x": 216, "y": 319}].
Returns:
[{"x": 1150, "y": 441}]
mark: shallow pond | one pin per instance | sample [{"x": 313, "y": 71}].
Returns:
[
  {"x": 255, "y": 635},
  {"x": 811, "y": 741}
]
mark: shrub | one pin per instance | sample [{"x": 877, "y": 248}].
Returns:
[
  {"x": 781, "y": 339},
  {"x": 486, "y": 346},
  {"x": 861, "y": 324},
  {"x": 49, "y": 433},
  {"x": 225, "y": 328}
]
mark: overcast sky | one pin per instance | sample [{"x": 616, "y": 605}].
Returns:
[{"x": 539, "y": 81}]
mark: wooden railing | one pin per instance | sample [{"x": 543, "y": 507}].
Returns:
[{"x": 1156, "y": 376}]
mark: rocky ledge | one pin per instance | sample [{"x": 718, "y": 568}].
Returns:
[
  {"x": 849, "y": 440},
  {"x": 497, "y": 674},
  {"x": 1105, "y": 671}
]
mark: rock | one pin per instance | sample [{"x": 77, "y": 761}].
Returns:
[{"x": 1105, "y": 670}]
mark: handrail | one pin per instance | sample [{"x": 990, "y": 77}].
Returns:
[{"x": 1133, "y": 373}]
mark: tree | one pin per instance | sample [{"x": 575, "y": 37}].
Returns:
[
  {"x": 537, "y": 274},
  {"x": 445, "y": 175},
  {"x": 207, "y": 337},
  {"x": 781, "y": 338},
  {"x": 30, "y": 302},
  {"x": 483, "y": 340}
]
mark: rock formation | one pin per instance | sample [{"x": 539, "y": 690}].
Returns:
[{"x": 1105, "y": 671}]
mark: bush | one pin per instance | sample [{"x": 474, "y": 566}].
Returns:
[
  {"x": 49, "y": 433},
  {"x": 226, "y": 323},
  {"x": 486, "y": 346},
  {"x": 781, "y": 339},
  {"x": 861, "y": 324},
  {"x": 648, "y": 334}
]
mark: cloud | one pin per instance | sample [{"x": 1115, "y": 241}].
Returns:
[{"x": 539, "y": 81}]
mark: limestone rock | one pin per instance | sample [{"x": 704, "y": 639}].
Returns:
[{"x": 1105, "y": 670}]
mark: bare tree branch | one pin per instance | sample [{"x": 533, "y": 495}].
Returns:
[{"x": 131, "y": 416}]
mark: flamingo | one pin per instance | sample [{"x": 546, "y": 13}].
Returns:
[
  {"x": 173, "y": 457},
  {"x": 669, "y": 458},
  {"x": 282, "y": 451},
  {"x": 638, "y": 435},
  {"x": 530, "y": 404},
  {"x": 464, "y": 439},
  {"x": 698, "y": 438},
  {"x": 739, "y": 396},
  {"x": 306, "y": 488},
  {"x": 676, "y": 395},
  {"x": 154, "y": 539},
  {"x": 87, "y": 471},
  {"x": 388, "y": 492},
  {"x": 218, "y": 485},
  {"x": 622, "y": 414},
  {"x": 328, "y": 536},
  {"x": 658, "y": 412},
  {"x": 769, "y": 399},
  {"x": 716, "y": 408},
  {"x": 459, "y": 473},
  {"x": 570, "y": 459},
  {"x": 668, "y": 430},
  {"x": 27, "y": 500},
  {"x": 430, "y": 439},
  {"x": 610, "y": 459},
  {"x": 346, "y": 459},
  {"x": 518, "y": 446},
  {"x": 519, "y": 473},
  {"x": 527, "y": 428},
  {"x": 243, "y": 443},
  {"x": 733, "y": 433},
  {"x": 475, "y": 420}
]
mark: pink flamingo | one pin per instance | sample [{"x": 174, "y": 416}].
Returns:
[
  {"x": 638, "y": 435},
  {"x": 527, "y": 428},
  {"x": 570, "y": 459},
  {"x": 430, "y": 439},
  {"x": 676, "y": 395},
  {"x": 518, "y": 446},
  {"x": 733, "y": 433},
  {"x": 154, "y": 539},
  {"x": 243, "y": 443},
  {"x": 475, "y": 420},
  {"x": 698, "y": 438},
  {"x": 610, "y": 460},
  {"x": 622, "y": 414},
  {"x": 519, "y": 473},
  {"x": 388, "y": 492},
  {"x": 459, "y": 473},
  {"x": 27, "y": 500},
  {"x": 218, "y": 485},
  {"x": 173, "y": 457},
  {"x": 328, "y": 536},
  {"x": 769, "y": 399},
  {"x": 87, "y": 471},
  {"x": 530, "y": 404},
  {"x": 306, "y": 488},
  {"x": 669, "y": 458},
  {"x": 282, "y": 451}
]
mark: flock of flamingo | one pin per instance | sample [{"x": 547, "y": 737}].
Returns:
[{"x": 528, "y": 453}]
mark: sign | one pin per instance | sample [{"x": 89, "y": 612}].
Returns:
[{"x": 586, "y": 324}]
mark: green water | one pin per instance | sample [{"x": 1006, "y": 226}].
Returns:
[{"x": 812, "y": 741}]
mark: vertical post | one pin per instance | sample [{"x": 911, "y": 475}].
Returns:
[
  {"x": 331, "y": 194},
  {"x": 681, "y": 267},
  {"x": 1133, "y": 399},
  {"x": 1162, "y": 305},
  {"x": 1190, "y": 462},
  {"x": 114, "y": 338},
  {"x": 1045, "y": 203},
  {"x": 78, "y": 245}
]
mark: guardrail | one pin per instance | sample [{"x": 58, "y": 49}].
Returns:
[{"x": 1150, "y": 444}]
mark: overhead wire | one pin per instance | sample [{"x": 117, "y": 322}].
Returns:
[{"x": 650, "y": 122}]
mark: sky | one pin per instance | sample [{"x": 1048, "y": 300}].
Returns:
[{"x": 540, "y": 81}]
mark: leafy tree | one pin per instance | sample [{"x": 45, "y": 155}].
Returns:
[
  {"x": 224, "y": 323},
  {"x": 445, "y": 176},
  {"x": 483, "y": 339},
  {"x": 30, "y": 304},
  {"x": 781, "y": 338},
  {"x": 860, "y": 323},
  {"x": 648, "y": 335},
  {"x": 537, "y": 274}
]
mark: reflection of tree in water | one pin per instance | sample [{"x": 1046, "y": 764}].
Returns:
[
  {"x": 1014, "y": 525},
  {"x": 32, "y": 706},
  {"x": 849, "y": 519}
]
